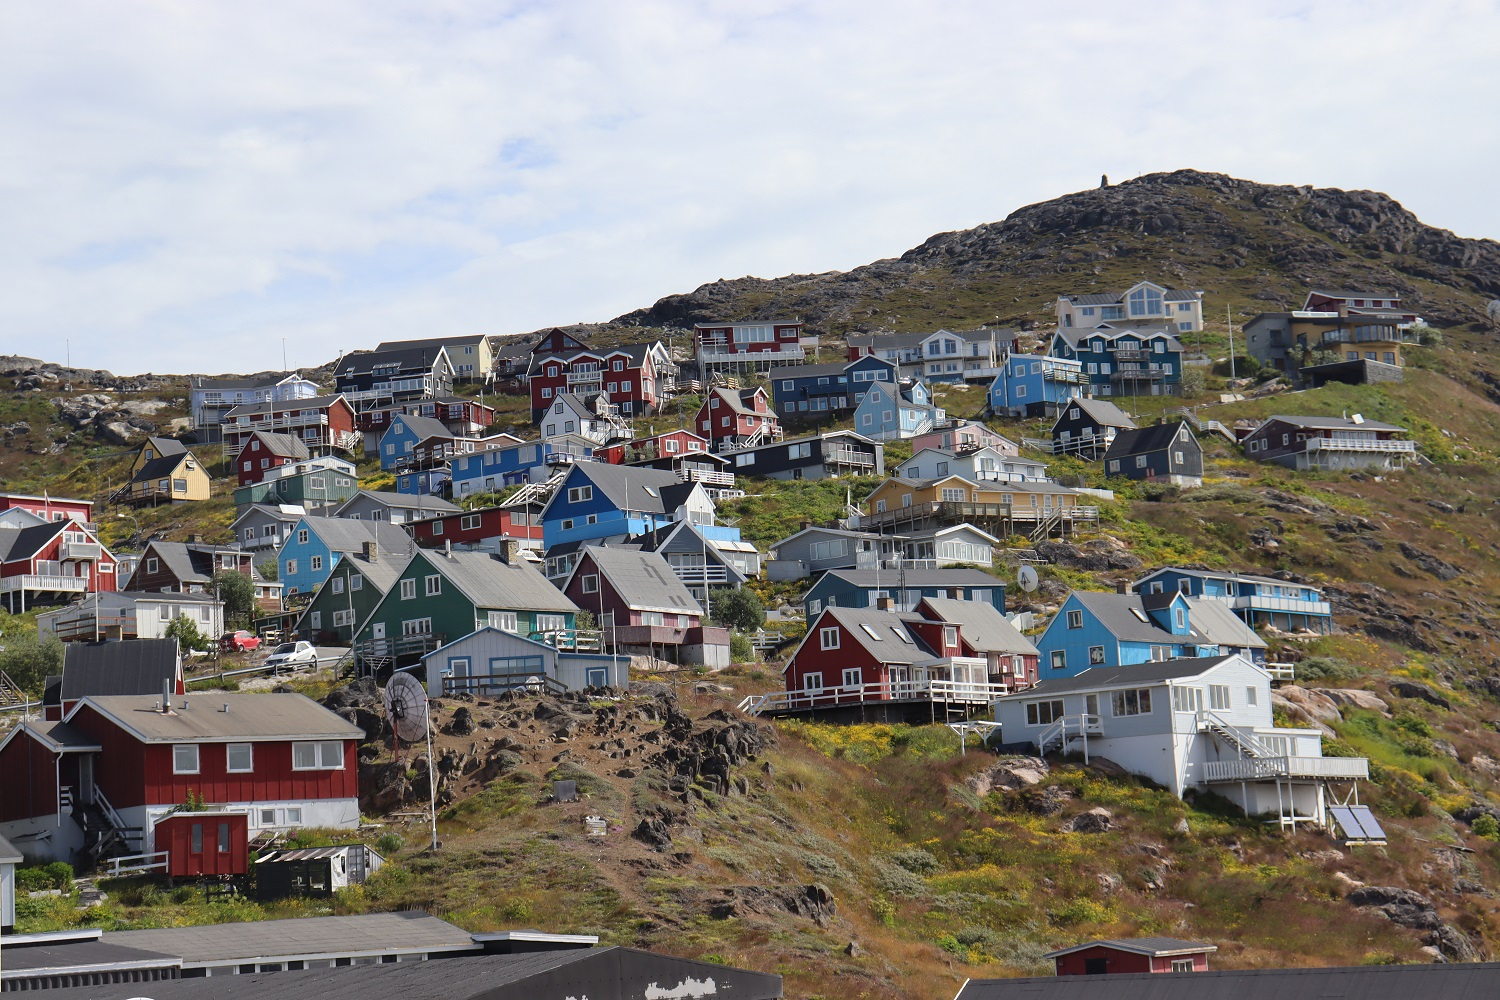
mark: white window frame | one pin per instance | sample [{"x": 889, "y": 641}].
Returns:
[
  {"x": 315, "y": 755},
  {"x": 828, "y": 638},
  {"x": 229, "y": 754},
  {"x": 181, "y": 766}
]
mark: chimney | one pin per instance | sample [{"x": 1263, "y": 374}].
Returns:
[
  {"x": 369, "y": 550},
  {"x": 883, "y": 603},
  {"x": 195, "y": 539},
  {"x": 1122, "y": 587},
  {"x": 510, "y": 551},
  {"x": 806, "y": 525},
  {"x": 448, "y": 547}
]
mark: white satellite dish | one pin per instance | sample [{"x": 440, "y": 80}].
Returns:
[
  {"x": 1028, "y": 579},
  {"x": 406, "y": 706}
]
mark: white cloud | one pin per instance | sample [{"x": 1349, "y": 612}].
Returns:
[{"x": 187, "y": 184}]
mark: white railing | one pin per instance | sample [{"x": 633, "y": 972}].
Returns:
[
  {"x": 712, "y": 477},
  {"x": 586, "y": 378},
  {"x": 81, "y": 551},
  {"x": 115, "y": 819},
  {"x": 128, "y": 863},
  {"x": 1066, "y": 728},
  {"x": 65, "y": 799},
  {"x": 70, "y": 584},
  {"x": 848, "y": 456},
  {"x": 711, "y": 355},
  {"x": 1256, "y": 602},
  {"x": 1089, "y": 442},
  {"x": 1281, "y": 671},
  {"x": 964, "y": 692},
  {"x": 243, "y": 424},
  {"x": 1358, "y": 444},
  {"x": 1269, "y": 768},
  {"x": 1246, "y": 742}
]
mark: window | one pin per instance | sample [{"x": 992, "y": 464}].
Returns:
[
  {"x": 316, "y": 620},
  {"x": 551, "y": 623},
  {"x": 185, "y": 758},
  {"x": 343, "y": 618},
  {"x": 408, "y": 589},
  {"x": 953, "y": 495},
  {"x": 1043, "y": 713},
  {"x": 1134, "y": 702},
  {"x": 1179, "y": 616},
  {"x": 432, "y": 585},
  {"x": 319, "y": 755},
  {"x": 853, "y": 677},
  {"x": 1218, "y": 697},
  {"x": 505, "y": 621},
  {"x": 1252, "y": 696},
  {"x": 591, "y": 584},
  {"x": 812, "y": 681},
  {"x": 197, "y": 839},
  {"x": 356, "y": 583},
  {"x": 1058, "y": 659},
  {"x": 239, "y": 758},
  {"x": 1182, "y": 965},
  {"x": 1096, "y": 655},
  {"x": 1140, "y": 461},
  {"x": 828, "y": 638},
  {"x": 151, "y": 565},
  {"x": 1187, "y": 699},
  {"x": 315, "y": 563},
  {"x": 302, "y": 537},
  {"x": 1075, "y": 619}
]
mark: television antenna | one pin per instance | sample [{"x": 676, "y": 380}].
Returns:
[
  {"x": 1028, "y": 579},
  {"x": 406, "y": 707}
]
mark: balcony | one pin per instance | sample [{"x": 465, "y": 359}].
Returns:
[
  {"x": 1258, "y": 602},
  {"x": 583, "y": 378},
  {"x": 572, "y": 640},
  {"x": 709, "y": 477},
  {"x": 957, "y": 512},
  {"x": 714, "y": 573},
  {"x": 1389, "y": 446},
  {"x": 81, "y": 551},
  {"x": 850, "y": 457},
  {"x": 1271, "y": 768},
  {"x": 48, "y": 583},
  {"x": 1139, "y": 373},
  {"x": 719, "y": 354},
  {"x": 937, "y": 691}
]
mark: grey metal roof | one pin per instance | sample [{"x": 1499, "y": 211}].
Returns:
[
  {"x": 631, "y": 487},
  {"x": 895, "y": 579},
  {"x": 807, "y": 371},
  {"x": 284, "y": 445},
  {"x": 250, "y": 717},
  {"x": 1214, "y": 619},
  {"x": 1102, "y": 412},
  {"x": 369, "y": 932},
  {"x": 1129, "y": 675},
  {"x": 1460, "y": 981},
  {"x": 1205, "y": 620},
  {"x": 1157, "y": 946},
  {"x": 127, "y": 666},
  {"x": 401, "y": 501},
  {"x": 1224, "y": 575},
  {"x": 1335, "y": 423},
  {"x": 188, "y": 562},
  {"x": 382, "y": 571},
  {"x": 22, "y": 543},
  {"x": 491, "y": 583},
  {"x": 422, "y": 427},
  {"x": 277, "y": 405},
  {"x": 887, "y": 644},
  {"x": 982, "y": 625},
  {"x": 342, "y": 534},
  {"x": 644, "y": 580},
  {"x": 62, "y": 956},
  {"x": 62, "y": 736},
  {"x": 417, "y": 355},
  {"x": 398, "y": 345}
]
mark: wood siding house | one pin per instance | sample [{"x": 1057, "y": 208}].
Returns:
[
  {"x": 1330, "y": 443},
  {"x": 1167, "y": 453}
]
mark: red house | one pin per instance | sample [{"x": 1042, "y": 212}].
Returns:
[
  {"x": 668, "y": 444},
  {"x": 486, "y": 529},
  {"x": 462, "y": 417},
  {"x": 1011, "y": 659},
  {"x": 322, "y": 423},
  {"x": 264, "y": 451},
  {"x": 106, "y": 780},
  {"x": 635, "y": 378},
  {"x": 49, "y": 508},
  {"x": 643, "y": 608},
  {"x": 756, "y": 345},
  {"x": 51, "y": 562},
  {"x": 737, "y": 418},
  {"x": 1151, "y": 954}
]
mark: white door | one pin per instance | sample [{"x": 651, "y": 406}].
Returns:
[{"x": 377, "y": 630}]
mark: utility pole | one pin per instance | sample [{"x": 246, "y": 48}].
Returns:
[{"x": 1230, "y": 324}]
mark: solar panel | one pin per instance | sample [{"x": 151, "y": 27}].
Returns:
[{"x": 1357, "y": 824}]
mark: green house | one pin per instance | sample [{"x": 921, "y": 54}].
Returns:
[
  {"x": 440, "y": 596},
  {"x": 351, "y": 592}
]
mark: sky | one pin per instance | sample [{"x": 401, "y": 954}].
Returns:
[{"x": 189, "y": 185}]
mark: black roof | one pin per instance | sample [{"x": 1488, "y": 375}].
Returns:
[
  {"x": 1144, "y": 440},
  {"x": 126, "y": 666},
  {"x": 422, "y": 355},
  {"x": 1459, "y": 981},
  {"x": 600, "y": 973}
]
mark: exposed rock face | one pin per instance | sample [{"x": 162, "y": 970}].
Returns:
[
  {"x": 814, "y": 902},
  {"x": 1009, "y": 774},
  {"x": 1429, "y": 563},
  {"x": 1096, "y": 820},
  {"x": 1095, "y": 555},
  {"x": 1310, "y": 706},
  {"x": 1412, "y": 909},
  {"x": 1351, "y": 697},
  {"x": 1414, "y": 689}
]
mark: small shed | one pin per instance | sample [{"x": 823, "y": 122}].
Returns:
[
  {"x": 204, "y": 843},
  {"x": 313, "y": 871},
  {"x": 9, "y": 858},
  {"x": 1152, "y": 954}
]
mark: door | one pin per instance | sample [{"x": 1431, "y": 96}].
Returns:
[
  {"x": 1095, "y": 966},
  {"x": 377, "y": 630},
  {"x": 1091, "y": 705},
  {"x": 596, "y": 677}
]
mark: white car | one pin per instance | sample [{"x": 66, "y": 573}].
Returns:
[{"x": 290, "y": 655}]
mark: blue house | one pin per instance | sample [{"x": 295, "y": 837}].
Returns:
[
  {"x": 889, "y": 412},
  {"x": 423, "y": 482},
  {"x": 1118, "y": 359},
  {"x": 900, "y": 589},
  {"x": 404, "y": 434},
  {"x": 509, "y": 464},
  {"x": 1258, "y": 601},
  {"x": 1116, "y": 630},
  {"x": 820, "y": 390},
  {"x": 315, "y": 545},
  {"x": 1035, "y": 385}
]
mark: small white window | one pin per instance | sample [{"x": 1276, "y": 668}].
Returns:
[
  {"x": 591, "y": 584},
  {"x": 320, "y": 755},
  {"x": 828, "y": 638},
  {"x": 185, "y": 758},
  {"x": 239, "y": 758},
  {"x": 408, "y": 589},
  {"x": 432, "y": 585}
]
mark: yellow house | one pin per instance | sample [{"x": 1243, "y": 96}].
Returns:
[
  {"x": 163, "y": 471},
  {"x": 907, "y": 503}
]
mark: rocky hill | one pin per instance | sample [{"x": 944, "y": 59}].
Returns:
[{"x": 1257, "y": 246}]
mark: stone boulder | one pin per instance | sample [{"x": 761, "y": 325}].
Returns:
[
  {"x": 1421, "y": 692},
  {"x": 1354, "y": 698},
  {"x": 1404, "y": 907},
  {"x": 1096, "y": 820},
  {"x": 1010, "y": 774},
  {"x": 813, "y": 902},
  {"x": 1429, "y": 563},
  {"x": 1313, "y": 710}
]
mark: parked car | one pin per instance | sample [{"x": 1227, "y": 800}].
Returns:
[
  {"x": 290, "y": 655},
  {"x": 239, "y": 642}
]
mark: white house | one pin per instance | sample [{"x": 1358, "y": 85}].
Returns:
[
  {"x": 980, "y": 465},
  {"x": 1145, "y": 300},
  {"x": 127, "y": 614},
  {"x": 1202, "y": 723},
  {"x": 589, "y": 415},
  {"x": 491, "y": 661}
]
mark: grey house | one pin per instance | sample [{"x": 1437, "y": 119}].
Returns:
[
  {"x": 815, "y": 550},
  {"x": 262, "y": 527},
  {"x": 393, "y": 508}
]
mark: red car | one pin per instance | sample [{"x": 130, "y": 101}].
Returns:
[{"x": 239, "y": 642}]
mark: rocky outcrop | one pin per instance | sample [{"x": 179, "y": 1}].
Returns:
[
  {"x": 1095, "y": 820},
  {"x": 1408, "y": 908},
  {"x": 813, "y": 902},
  {"x": 1353, "y": 698},
  {"x": 1010, "y": 774},
  {"x": 1415, "y": 689},
  {"x": 1311, "y": 707}
]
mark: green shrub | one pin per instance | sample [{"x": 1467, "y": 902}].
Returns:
[
  {"x": 1486, "y": 826},
  {"x": 389, "y": 843},
  {"x": 1326, "y": 668},
  {"x": 915, "y": 860},
  {"x": 897, "y": 881},
  {"x": 824, "y": 867}
]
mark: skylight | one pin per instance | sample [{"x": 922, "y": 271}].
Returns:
[
  {"x": 870, "y": 631},
  {"x": 901, "y": 635},
  {"x": 1139, "y": 613}
]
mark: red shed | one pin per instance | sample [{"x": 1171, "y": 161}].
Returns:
[
  {"x": 204, "y": 843},
  {"x": 1150, "y": 954}
]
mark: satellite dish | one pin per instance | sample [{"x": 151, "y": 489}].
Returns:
[
  {"x": 406, "y": 707},
  {"x": 1028, "y": 579}
]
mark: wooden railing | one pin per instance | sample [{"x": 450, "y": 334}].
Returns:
[{"x": 961, "y": 692}]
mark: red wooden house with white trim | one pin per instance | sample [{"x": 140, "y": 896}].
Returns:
[
  {"x": 323, "y": 423},
  {"x": 51, "y": 562},
  {"x": 114, "y": 778},
  {"x": 49, "y": 508},
  {"x": 635, "y": 378},
  {"x": 737, "y": 418},
  {"x": 1128, "y": 955},
  {"x": 668, "y": 444},
  {"x": 756, "y": 345},
  {"x": 485, "y": 530},
  {"x": 264, "y": 451}
]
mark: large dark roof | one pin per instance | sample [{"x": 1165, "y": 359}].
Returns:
[
  {"x": 601, "y": 973},
  {"x": 1157, "y": 946},
  {"x": 129, "y": 666},
  {"x": 1144, "y": 440},
  {"x": 1471, "y": 981},
  {"x": 422, "y": 355},
  {"x": 22, "y": 543}
]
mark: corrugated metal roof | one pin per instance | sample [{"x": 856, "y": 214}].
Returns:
[
  {"x": 1459, "y": 981},
  {"x": 1130, "y": 675},
  {"x": 1157, "y": 946},
  {"x": 283, "y": 445},
  {"x": 1335, "y": 423},
  {"x": 491, "y": 583},
  {"x": 250, "y": 717},
  {"x": 127, "y": 666},
  {"x": 982, "y": 625},
  {"x": 644, "y": 580},
  {"x": 1145, "y": 440}
]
